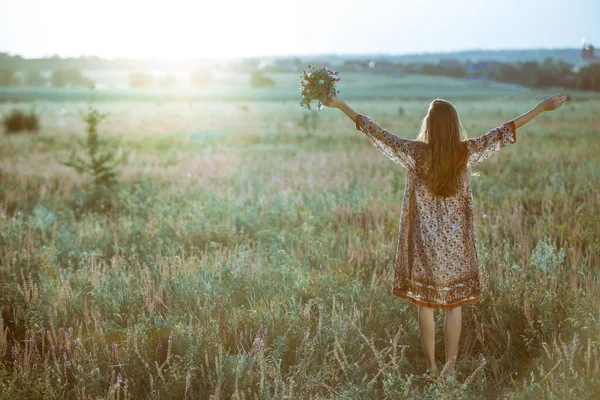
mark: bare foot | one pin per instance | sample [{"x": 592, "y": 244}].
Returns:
[
  {"x": 448, "y": 369},
  {"x": 447, "y": 373},
  {"x": 432, "y": 373}
]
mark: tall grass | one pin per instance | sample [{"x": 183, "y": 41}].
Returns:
[{"x": 249, "y": 260}]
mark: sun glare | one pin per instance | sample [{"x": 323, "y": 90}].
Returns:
[{"x": 187, "y": 30}]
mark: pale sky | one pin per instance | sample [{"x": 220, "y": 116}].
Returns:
[{"x": 179, "y": 29}]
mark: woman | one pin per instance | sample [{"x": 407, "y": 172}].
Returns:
[{"x": 436, "y": 262}]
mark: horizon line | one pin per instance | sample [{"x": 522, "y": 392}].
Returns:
[{"x": 291, "y": 55}]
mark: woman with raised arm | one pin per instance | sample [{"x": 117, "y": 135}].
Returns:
[{"x": 436, "y": 263}]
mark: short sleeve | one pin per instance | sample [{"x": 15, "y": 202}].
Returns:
[
  {"x": 401, "y": 151},
  {"x": 484, "y": 146}
]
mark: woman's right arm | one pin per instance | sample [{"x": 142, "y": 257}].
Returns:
[
  {"x": 484, "y": 146},
  {"x": 549, "y": 104},
  {"x": 400, "y": 150}
]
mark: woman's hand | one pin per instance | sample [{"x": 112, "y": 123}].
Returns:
[
  {"x": 552, "y": 102},
  {"x": 335, "y": 102}
]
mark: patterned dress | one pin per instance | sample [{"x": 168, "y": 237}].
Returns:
[{"x": 436, "y": 262}]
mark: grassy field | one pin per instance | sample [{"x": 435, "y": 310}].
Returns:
[{"x": 248, "y": 255}]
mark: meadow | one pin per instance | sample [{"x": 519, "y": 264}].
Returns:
[{"x": 247, "y": 250}]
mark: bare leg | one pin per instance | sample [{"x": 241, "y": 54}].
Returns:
[
  {"x": 452, "y": 325},
  {"x": 427, "y": 329}
]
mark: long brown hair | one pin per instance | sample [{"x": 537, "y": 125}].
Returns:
[{"x": 442, "y": 131}]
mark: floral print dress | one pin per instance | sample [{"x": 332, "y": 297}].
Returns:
[{"x": 436, "y": 262}]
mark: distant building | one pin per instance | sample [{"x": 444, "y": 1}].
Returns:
[{"x": 587, "y": 54}]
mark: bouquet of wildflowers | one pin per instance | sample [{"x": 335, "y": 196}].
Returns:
[{"x": 318, "y": 84}]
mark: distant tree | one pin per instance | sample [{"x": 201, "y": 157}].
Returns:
[
  {"x": 34, "y": 78},
  {"x": 457, "y": 72},
  {"x": 588, "y": 78},
  {"x": 17, "y": 80},
  {"x": 430, "y": 69},
  {"x": 530, "y": 73},
  {"x": 59, "y": 78},
  {"x": 552, "y": 73},
  {"x": 69, "y": 77},
  {"x": 201, "y": 77},
  {"x": 507, "y": 73},
  {"x": 139, "y": 80},
  {"x": 259, "y": 80},
  {"x": 8, "y": 77}
]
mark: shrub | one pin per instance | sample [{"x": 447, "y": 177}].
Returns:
[
  {"x": 258, "y": 80},
  {"x": 201, "y": 77},
  {"x": 139, "y": 80},
  {"x": 18, "y": 121}
]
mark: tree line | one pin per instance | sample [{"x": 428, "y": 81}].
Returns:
[
  {"x": 72, "y": 77},
  {"x": 549, "y": 73}
]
